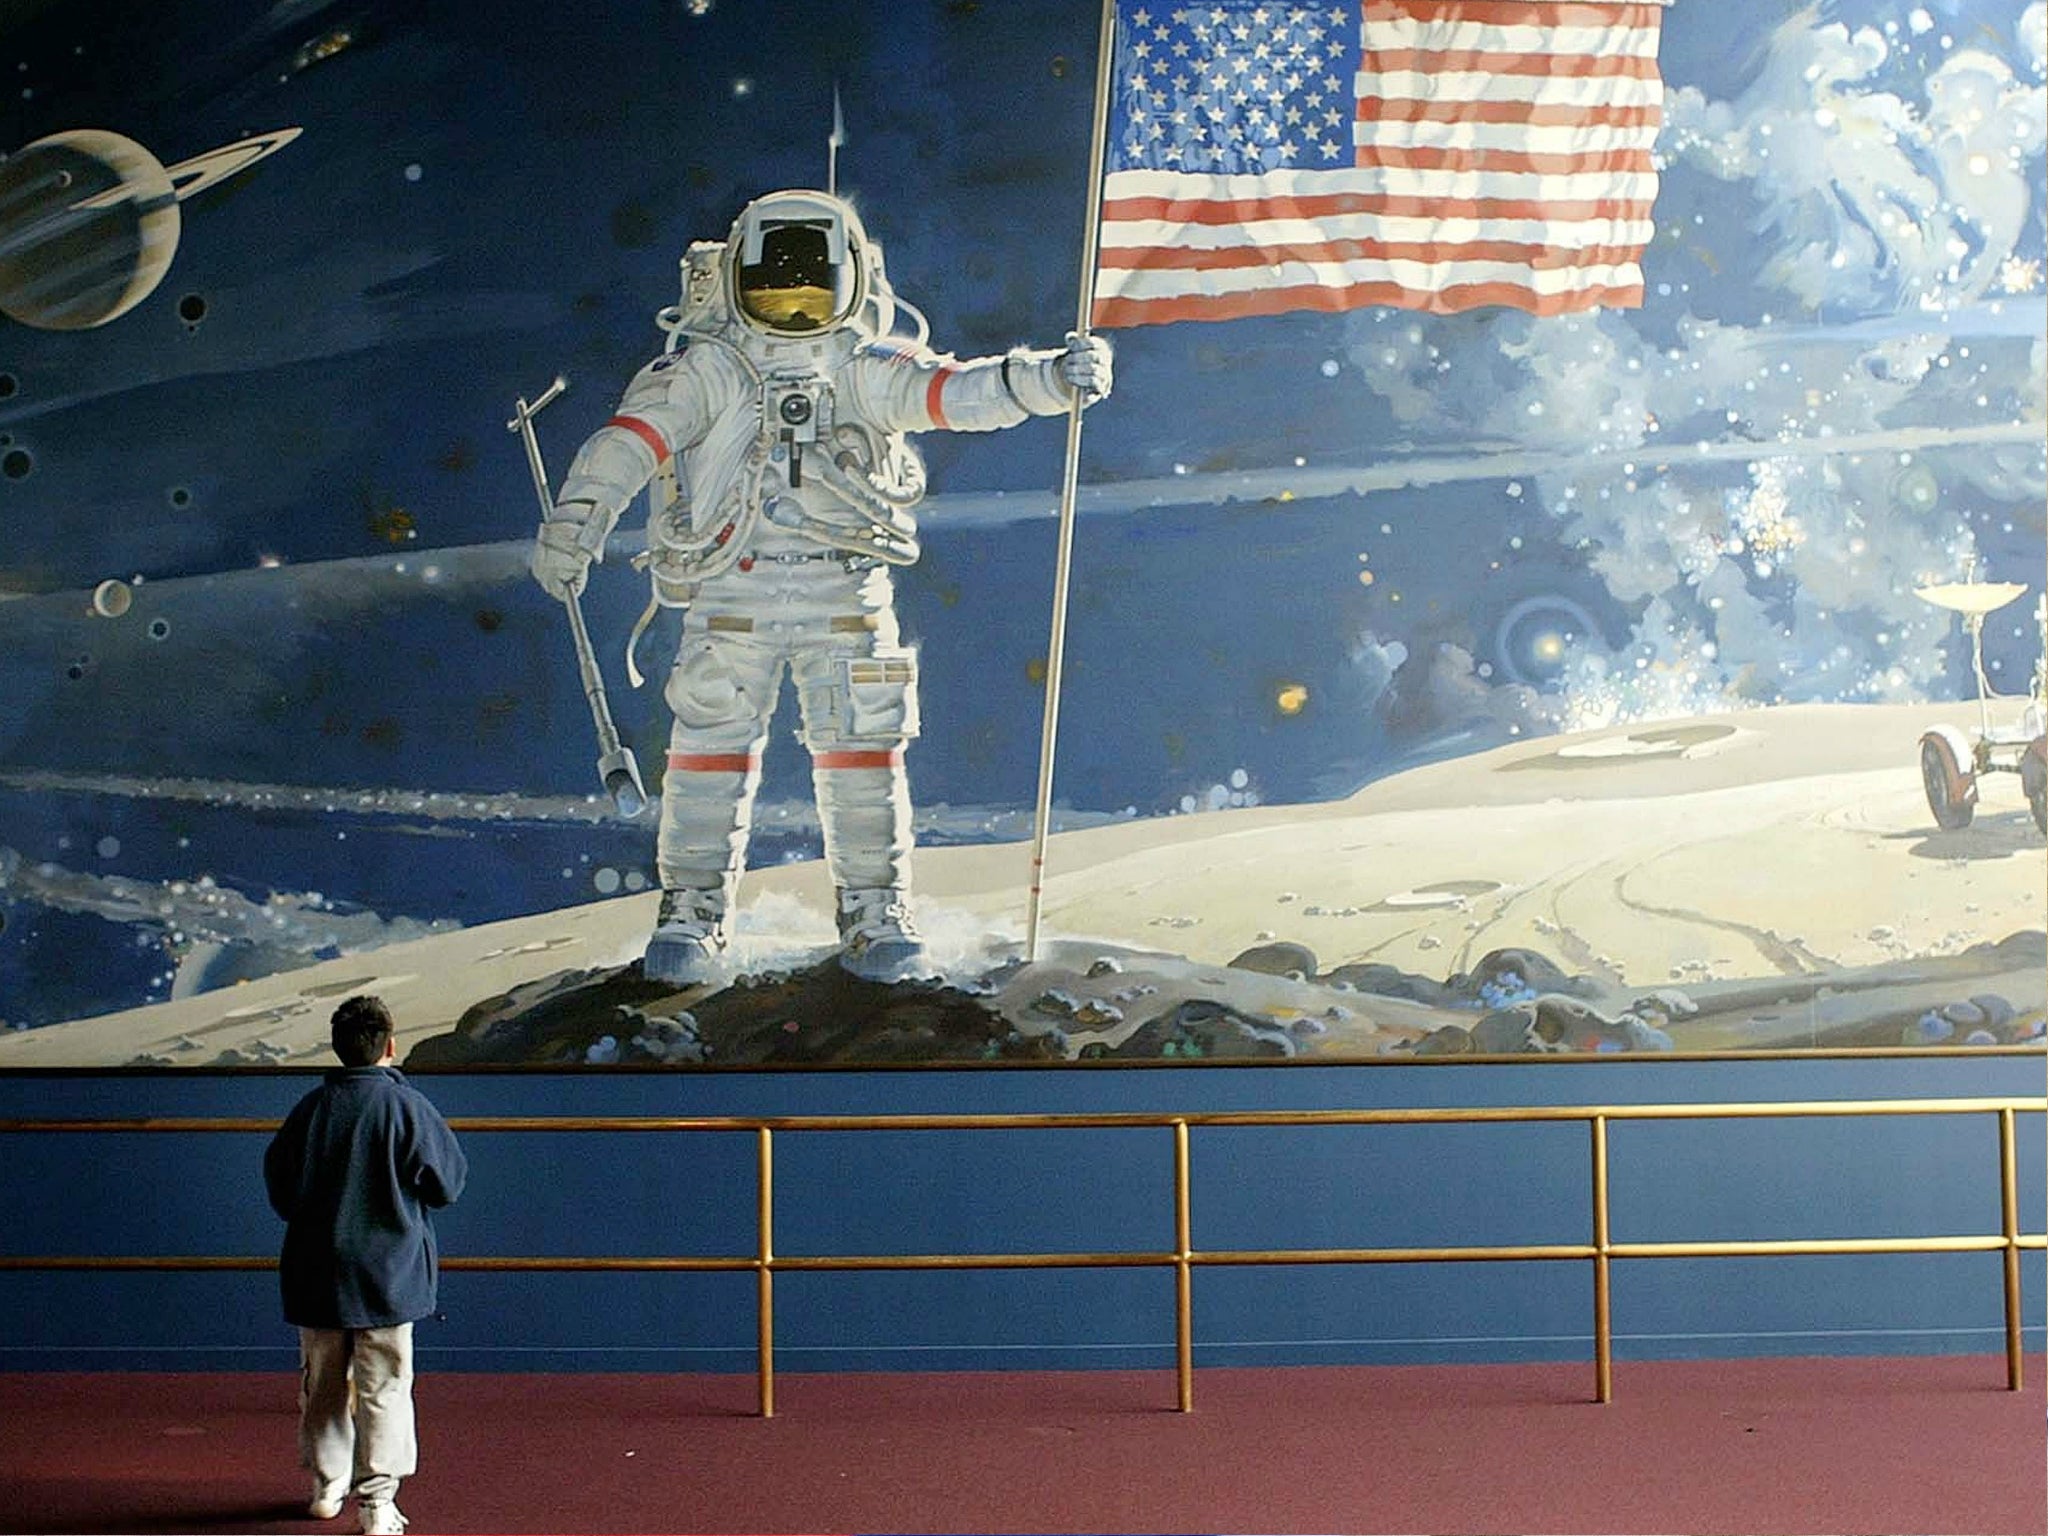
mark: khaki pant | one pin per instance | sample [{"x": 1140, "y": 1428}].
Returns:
[{"x": 355, "y": 1408}]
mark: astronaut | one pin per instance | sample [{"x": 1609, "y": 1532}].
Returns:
[{"x": 770, "y": 436}]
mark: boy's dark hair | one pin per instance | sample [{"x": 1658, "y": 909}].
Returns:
[{"x": 362, "y": 1028}]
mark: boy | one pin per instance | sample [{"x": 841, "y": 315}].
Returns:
[{"x": 355, "y": 1171}]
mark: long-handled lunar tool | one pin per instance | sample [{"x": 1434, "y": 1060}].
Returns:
[{"x": 615, "y": 763}]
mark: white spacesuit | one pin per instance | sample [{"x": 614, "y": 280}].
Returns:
[{"x": 770, "y": 433}]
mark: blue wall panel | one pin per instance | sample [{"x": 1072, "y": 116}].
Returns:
[
  {"x": 1394, "y": 1314},
  {"x": 1391, "y": 1186},
  {"x": 1889, "y": 1304},
  {"x": 1078, "y": 1191}
]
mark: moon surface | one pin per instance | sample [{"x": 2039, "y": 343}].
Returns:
[{"x": 1772, "y": 846}]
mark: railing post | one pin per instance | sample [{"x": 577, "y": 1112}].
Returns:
[
  {"x": 1603, "y": 1332},
  {"x": 2009, "y": 1205},
  {"x": 1183, "y": 1273},
  {"x": 764, "y": 1273}
]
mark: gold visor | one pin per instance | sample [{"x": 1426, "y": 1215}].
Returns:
[{"x": 803, "y": 308}]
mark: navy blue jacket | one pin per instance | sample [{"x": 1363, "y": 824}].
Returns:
[{"x": 354, "y": 1171}]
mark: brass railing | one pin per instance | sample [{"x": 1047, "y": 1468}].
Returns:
[{"x": 1184, "y": 1258}]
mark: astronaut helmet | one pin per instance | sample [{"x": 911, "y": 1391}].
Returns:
[{"x": 799, "y": 263}]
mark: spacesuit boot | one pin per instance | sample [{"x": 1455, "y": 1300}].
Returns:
[
  {"x": 878, "y": 940},
  {"x": 688, "y": 942}
]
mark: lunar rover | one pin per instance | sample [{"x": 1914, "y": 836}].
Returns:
[{"x": 1953, "y": 763}]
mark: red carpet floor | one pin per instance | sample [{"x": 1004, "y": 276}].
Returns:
[{"x": 1893, "y": 1445}]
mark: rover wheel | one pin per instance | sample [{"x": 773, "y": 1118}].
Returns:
[{"x": 1947, "y": 784}]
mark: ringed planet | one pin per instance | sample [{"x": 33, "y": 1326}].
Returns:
[{"x": 89, "y": 221}]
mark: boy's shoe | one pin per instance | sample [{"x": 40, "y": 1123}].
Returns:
[
  {"x": 382, "y": 1519},
  {"x": 327, "y": 1498}
]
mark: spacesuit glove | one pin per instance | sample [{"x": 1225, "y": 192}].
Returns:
[
  {"x": 559, "y": 561},
  {"x": 1085, "y": 366}
]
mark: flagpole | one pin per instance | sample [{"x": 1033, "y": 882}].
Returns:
[{"x": 1062, "y": 570}]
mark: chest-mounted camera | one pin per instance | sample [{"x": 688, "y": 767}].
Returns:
[{"x": 798, "y": 411}]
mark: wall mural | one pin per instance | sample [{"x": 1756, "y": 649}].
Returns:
[{"x": 1538, "y": 545}]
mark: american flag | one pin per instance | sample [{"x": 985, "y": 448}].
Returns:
[{"x": 1427, "y": 154}]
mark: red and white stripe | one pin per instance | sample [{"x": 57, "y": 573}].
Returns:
[
  {"x": 934, "y": 401},
  {"x": 1501, "y": 156},
  {"x": 843, "y": 758},
  {"x": 714, "y": 762},
  {"x": 647, "y": 432}
]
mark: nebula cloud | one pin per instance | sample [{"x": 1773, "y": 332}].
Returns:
[{"x": 1892, "y": 180}]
